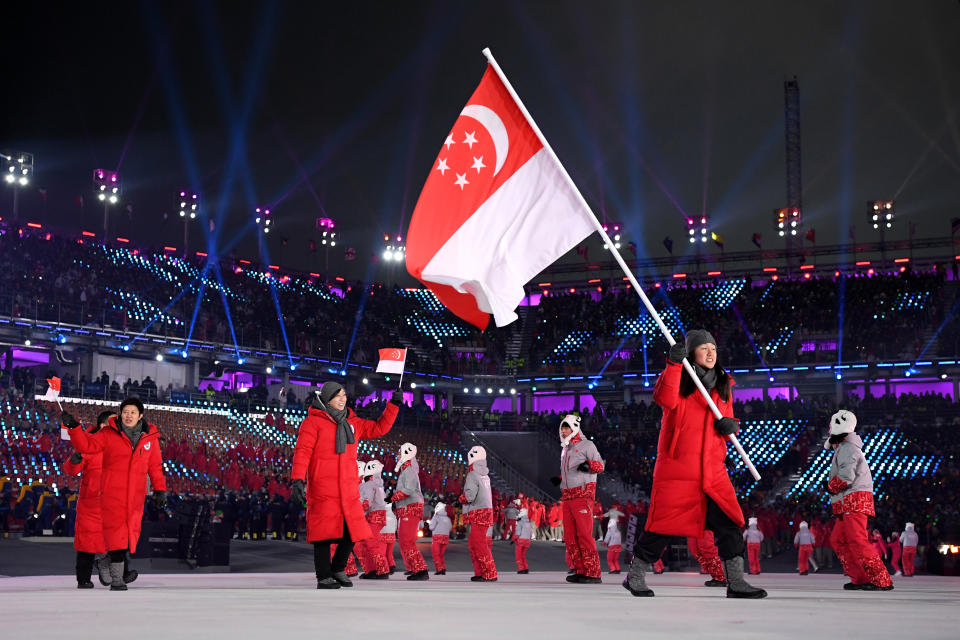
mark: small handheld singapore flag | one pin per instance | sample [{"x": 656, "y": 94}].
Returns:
[
  {"x": 391, "y": 360},
  {"x": 495, "y": 210},
  {"x": 53, "y": 390}
]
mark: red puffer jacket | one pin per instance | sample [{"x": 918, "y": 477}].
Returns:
[
  {"x": 124, "y": 478},
  {"x": 332, "y": 491},
  {"x": 88, "y": 530},
  {"x": 690, "y": 461}
]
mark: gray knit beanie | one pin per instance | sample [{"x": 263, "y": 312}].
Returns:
[
  {"x": 697, "y": 337},
  {"x": 329, "y": 389}
]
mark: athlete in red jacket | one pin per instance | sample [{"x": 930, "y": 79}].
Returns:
[
  {"x": 691, "y": 487},
  {"x": 131, "y": 451},
  {"x": 326, "y": 458},
  {"x": 88, "y": 531}
]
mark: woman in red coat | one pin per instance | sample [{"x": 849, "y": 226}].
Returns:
[
  {"x": 88, "y": 531},
  {"x": 691, "y": 488},
  {"x": 131, "y": 451},
  {"x": 324, "y": 476}
]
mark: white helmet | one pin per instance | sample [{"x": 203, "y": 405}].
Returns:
[
  {"x": 572, "y": 421},
  {"x": 374, "y": 468},
  {"x": 361, "y": 468},
  {"x": 804, "y": 525},
  {"x": 440, "y": 507},
  {"x": 842, "y": 421},
  {"x": 523, "y": 513},
  {"x": 909, "y": 526},
  {"x": 752, "y": 522},
  {"x": 475, "y": 454},
  {"x": 408, "y": 451}
]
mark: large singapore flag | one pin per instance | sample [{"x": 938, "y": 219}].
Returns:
[{"x": 495, "y": 211}]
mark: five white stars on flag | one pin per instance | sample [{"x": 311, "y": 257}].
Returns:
[{"x": 470, "y": 139}]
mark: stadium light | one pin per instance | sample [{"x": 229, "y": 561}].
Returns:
[
  {"x": 697, "y": 229},
  {"x": 107, "y": 186},
  {"x": 788, "y": 221},
  {"x": 328, "y": 238},
  {"x": 262, "y": 219},
  {"x": 393, "y": 251},
  {"x": 615, "y": 237},
  {"x": 189, "y": 210},
  {"x": 881, "y": 214},
  {"x": 18, "y": 174}
]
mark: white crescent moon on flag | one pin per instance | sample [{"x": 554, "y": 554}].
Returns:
[
  {"x": 396, "y": 354},
  {"x": 494, "y": 125}
]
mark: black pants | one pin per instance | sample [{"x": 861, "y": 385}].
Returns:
[
  {"x": 85, "y": 564},
  {"x": 730, "y": 543},
  {"x": 326, "y": 567}
]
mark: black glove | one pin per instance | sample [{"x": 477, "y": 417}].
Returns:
[
  {"x": 76, "y": 457},
  {"x": 677, "y": 352},
  {"x": 397, "y": 398},
  {"x": 555, "y": 481},
  {"x": 160, "y": 499},
  {"x": 67, "y": 420},
  {"x": 726, "y": 426},
  {"x": 298, "y": 492},
  {"x": 584, "y": 466}
]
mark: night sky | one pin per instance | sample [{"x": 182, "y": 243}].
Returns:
[{"x": 657, "y": 109}]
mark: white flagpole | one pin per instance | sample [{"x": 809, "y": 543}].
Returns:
[
  {"x": 400, "y": 388},
  {"x": 616, "y": 255}
]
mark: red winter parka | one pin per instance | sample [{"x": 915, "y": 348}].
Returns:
[
  {"x": 690, "y": 461},
  {"x": 332, "y": 491},
  {"x": 88, "y": 530},
  {"x": 123, "y": 481}
]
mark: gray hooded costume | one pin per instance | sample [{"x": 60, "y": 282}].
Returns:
[{"x": 476, "y": 488}]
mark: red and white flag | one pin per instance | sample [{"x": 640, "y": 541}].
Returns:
[
  {"x": 53, "y": 390},
  {"x": 495, "y": 211},
  {"x": 391, "y": 360}
]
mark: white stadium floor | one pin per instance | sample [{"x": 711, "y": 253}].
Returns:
[{"x": 540, "y": 605}]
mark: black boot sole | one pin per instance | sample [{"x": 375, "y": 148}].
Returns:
[
  {"x": 747, "y": 595},
  {"x": 638, "y": 594}
]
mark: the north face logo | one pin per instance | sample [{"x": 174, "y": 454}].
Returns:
[{"x": 146, "y": 447}]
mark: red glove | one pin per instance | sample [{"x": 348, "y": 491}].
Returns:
[
  {"x": 462, "y": 499},
  {"x": 837, "y": 484},
  {"x": 399, "y": 495}
]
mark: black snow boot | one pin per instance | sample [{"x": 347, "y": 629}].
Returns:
[
  {"x": 102, "y": 563},
  {"x": 636, "y": 582},
  {"x": 737, "y": 587},
  {"x": 116, "y": 577}
]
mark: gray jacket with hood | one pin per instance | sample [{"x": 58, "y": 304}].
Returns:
[
  {"x": 850, "y": 465},
  {"x": 409, "y": 483},
  {"x": 476, "y": 488}
]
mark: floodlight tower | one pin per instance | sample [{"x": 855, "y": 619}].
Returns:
[{"x": 107, "y": 186}]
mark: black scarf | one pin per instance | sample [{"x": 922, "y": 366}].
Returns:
[
  {"x": 344, "y": 430},
  {"x": 707, "y": 376}
]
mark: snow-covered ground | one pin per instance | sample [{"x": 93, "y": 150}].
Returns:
[{"x": 286, "y": 606}]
